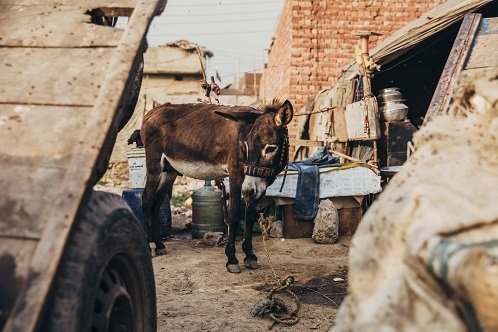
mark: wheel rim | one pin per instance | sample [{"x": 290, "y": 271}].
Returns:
[{"x": 118, "y": 302}]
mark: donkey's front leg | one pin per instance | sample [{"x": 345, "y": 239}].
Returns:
[
  {"x": 250, "y": 261},
  {"x": 233, "y": 222}
]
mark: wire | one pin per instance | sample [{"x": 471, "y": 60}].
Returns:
[
  {"x": 215, "y": 21},
  {"x": 209, "y": 33},
  {"x": 226, "y": 4},
  {"x": 170, "y": 14}
]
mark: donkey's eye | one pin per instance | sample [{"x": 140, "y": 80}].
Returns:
[{"x": 270, "y": 149}]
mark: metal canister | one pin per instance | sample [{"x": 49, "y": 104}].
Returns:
[{"x": 207, "y": 211}]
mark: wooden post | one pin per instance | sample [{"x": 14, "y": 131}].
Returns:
[{"x": 367, "y": 84}]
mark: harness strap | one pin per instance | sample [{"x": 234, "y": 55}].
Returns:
[
  {"x": 267, "y": 172},
  {"x": 258, "y": 171}
]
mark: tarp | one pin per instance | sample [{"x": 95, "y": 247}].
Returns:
[
  {"x": 425, "y": 256},
  {"x": 430, "y": 23}
]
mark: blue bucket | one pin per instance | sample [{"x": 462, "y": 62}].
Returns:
[{"x": 134, "y": 199}]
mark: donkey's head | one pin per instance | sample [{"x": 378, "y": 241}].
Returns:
[{"x": 265, "y": 147}]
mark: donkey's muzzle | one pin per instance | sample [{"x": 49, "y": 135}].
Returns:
[{"x": 253, "y": 188}]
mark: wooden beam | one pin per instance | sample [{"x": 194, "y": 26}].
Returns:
[{"x": 454, "y": 65}]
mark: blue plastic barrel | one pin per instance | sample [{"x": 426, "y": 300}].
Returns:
[{"x": 134, "y": 199}]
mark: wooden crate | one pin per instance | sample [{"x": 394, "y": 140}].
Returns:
[
  {"x": 349, "y": 211},
  {"x": 349, "y": 219},
  {"x": 295, "y": 228}
]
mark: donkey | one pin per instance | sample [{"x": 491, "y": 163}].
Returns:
[{"x": 210, "y": 142}]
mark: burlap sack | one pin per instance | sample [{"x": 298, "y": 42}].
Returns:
[{"x": 425, "y": 256}]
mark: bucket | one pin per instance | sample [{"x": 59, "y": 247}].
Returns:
[
  {"x": 207, "y": 211},
  {"x": 136, "y": 167},
  {"x": 134, "y": 199}
]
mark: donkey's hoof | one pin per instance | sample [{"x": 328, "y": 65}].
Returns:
[
  {"x": 160, "y": 251},
  {"x": 251, "y": 263},
  {"x": 233, "y": 268}
]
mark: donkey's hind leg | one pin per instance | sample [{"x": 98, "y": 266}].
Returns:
[
  {"x": 153, "y": 179},
  {"x": 250, "y": 261},
  {"x": 163, "y": 192}
]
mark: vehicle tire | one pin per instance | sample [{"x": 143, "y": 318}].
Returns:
[{"x": 105, "y": 281}]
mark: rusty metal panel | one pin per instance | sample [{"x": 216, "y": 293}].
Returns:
[{"x": 454, "y": 65}]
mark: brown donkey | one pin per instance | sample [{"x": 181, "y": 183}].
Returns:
[{"x": 210, "y": 142}]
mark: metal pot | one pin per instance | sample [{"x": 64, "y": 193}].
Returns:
[
  {"x": 393, "y": 111},
  {"x": 389, "y": 90},
  {"x": 389, "y": 103},
  {"x": 390, "y": 96}
]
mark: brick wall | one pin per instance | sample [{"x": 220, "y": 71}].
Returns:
[{"x": 313, "y": 42}]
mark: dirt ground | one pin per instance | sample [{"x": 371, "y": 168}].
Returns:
[{"x": 196, "y": 293}]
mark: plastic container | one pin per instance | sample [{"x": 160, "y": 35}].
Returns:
[
  {"x": 136, "y": 167},
  {"x": 207, "y": 211},
  {"x": 134, "y": 199}
]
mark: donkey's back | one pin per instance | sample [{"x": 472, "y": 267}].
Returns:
[{"x": 192, "y": 139}]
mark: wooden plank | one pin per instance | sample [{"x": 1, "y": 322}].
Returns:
[
  {"x": 488, "y": 26},
  {"x": 356, "y": 115},
  {"x": 41, "y": 28},
  {"x": 29, "y": 189},
  {"x": 339, "y": 124},
  {"x": 458, "y": 56},
  {"x": 52, "y": 76},
  {"x": 37, "y": 132},
  {"x": 470, "y": 75},
  {"x": 73, "y": 188},
  {"x": 484, "y": 52},
  {"x": 295, "y": 228}
]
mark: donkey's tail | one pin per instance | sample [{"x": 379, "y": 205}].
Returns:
[{"x": 135, "y": 138}]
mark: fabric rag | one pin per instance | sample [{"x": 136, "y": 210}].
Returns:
[{"x": 308, "y": 183}]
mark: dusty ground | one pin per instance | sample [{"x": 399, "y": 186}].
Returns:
[{"x": 196, "y": 293}]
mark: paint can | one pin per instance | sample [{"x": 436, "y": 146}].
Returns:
[
  {"x": 207, "y": 211},
  {"x": 134, "y": 199},
  {"x": 137, "y": 169}
]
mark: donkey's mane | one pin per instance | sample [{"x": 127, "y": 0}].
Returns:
[{"x": 273, "y": 107}]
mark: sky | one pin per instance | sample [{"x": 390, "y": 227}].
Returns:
[{"x": 238, "y": 32}]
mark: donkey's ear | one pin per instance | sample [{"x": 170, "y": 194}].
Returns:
[
  {"x": 284, "y": 114},
  {"x": 245, "y": 116}
]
